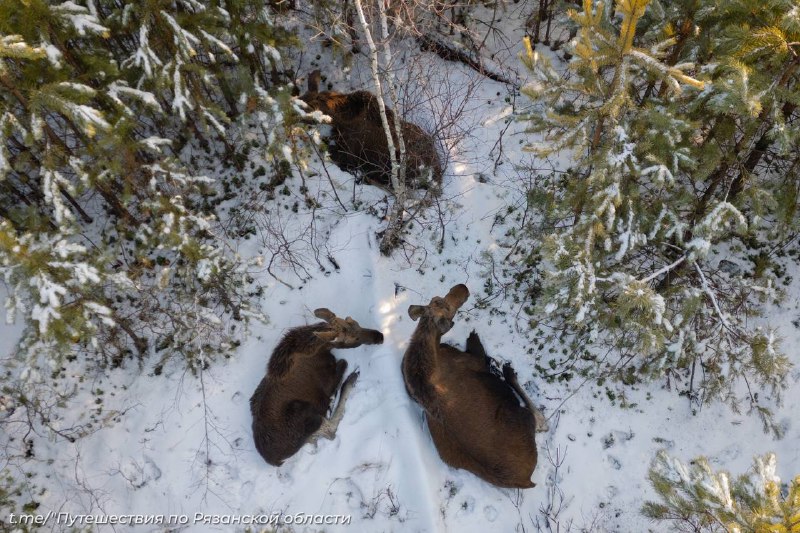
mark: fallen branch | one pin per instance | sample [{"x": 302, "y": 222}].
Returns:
[{"x": 449, "y": 53}]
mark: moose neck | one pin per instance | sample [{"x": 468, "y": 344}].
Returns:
[
  {"x": 421, "y": 364},
  {"x": 297, "y": 341},
  {"x": 425, "y": 342}
]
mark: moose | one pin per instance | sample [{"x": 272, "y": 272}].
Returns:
[
  {"x": 474, "y": 417},
  {"x": 358, "y": 140},
  {"x": 290, "y": 404}
]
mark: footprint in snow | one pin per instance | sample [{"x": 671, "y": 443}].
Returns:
[
  {"x": 230, "y": 471},
  {"x": 285, "y": 478},
  {"x": 467, "y": 506},
  {"x": 490, "y": 513},
  {"x": 617, "y": 436},
  {"x": 245, "y": 491},
  {"x": 140, "y": 474}
]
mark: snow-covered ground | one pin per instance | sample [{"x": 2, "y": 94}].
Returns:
[{"x": 184, "y": 444}]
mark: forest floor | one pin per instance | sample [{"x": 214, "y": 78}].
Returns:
[{"x": 184, "y": 443}]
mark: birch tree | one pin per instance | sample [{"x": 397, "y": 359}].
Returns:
[{"x": 394, "y": 139}]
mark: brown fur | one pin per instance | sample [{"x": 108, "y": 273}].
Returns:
[
  {"x": 359, "y": 141},
  {"x": 474, "y": 416},
  {"x": 292, "y": 400}
]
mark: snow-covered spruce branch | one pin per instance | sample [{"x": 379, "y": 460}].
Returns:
[
  {"x": 706, "y": 289},
  {"x": 694, "y": 498},
  {"x": 661, "y": 271}
]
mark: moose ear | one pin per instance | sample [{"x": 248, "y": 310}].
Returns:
[
  {"x": 327, "y": 336},
  {"x": 415, "y": 311},
  {"x": 313, "y": 81},
  {"x": 325, "y": 314}
]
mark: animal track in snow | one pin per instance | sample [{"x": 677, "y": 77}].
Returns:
[
  {"x": 140, "y": 474},
  {"x": 490, "y": 513}
]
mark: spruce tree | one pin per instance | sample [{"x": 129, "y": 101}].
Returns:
[
  {"x": 695, "y": 498},
  {"x": 110, "y": 245},
  {"x": 108, "y": 236},
  {"x": 656, "y": 119}
]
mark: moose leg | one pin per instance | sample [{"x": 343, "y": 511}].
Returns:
[
  {"x": 341, "y": 366},
  {"x": 333, "y": 381},
  {"x": 477, "y": 352},
  {"x": 329, "y": 426},
  {"x": 475, "y": 347},
  {"x": 511, "y": 378}
]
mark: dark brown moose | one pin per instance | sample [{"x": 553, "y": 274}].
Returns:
[
  {"x": 290, "y": 404},
  {"x": 358, "y": 141},
  {"x": 474, "y": 416}
]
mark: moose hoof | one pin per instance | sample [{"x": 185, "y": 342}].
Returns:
[
  {"x": 328, "y": 433},
  {"x": 351, "y": 380},
  {"x": 541, "y": 422},
  {"x": 509, "y": 374}
]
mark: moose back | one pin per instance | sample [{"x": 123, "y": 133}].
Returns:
[{"x": 358, "y": 140}]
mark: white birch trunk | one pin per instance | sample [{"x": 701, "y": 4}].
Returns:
[
  {"x": 398, "y": 130},
  {"x": 376, "y": 79},
  {"x": 397, "y": 177}
]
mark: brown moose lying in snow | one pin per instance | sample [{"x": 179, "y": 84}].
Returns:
[
  {"x": 290, "y": 404},
  {"x": 358, "y": 142},
  {"x": 475, "y": 417}
]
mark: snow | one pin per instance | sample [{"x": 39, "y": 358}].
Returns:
[
  {"x": 661, "y": 172},
  {"x": 204, "y": 269},
  {"x": 287, "y": 153},
  {"x": 50, "y": 299},
  {"x": 5, "y": 166},
  {"x": 117, "y": 89},
  {"x": 54, "y": 55},
  {"x": 155, "y": 143},
  {"x": 183, "y": 39},
  {"x": 81, "y": 19},
  {"x": 144, "y": 56},
  {"x": 221, "y": 45},
  {"x": 169, "y": 222},
  {"x": 52, "y": 181},
  {"x": 272, "y": 53},
  {"x": 216, "y": 124},
  {"x": 80, "y": 88},
  {"x": 182, "y": 444},
  {"x": 181, "y": 101}
]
